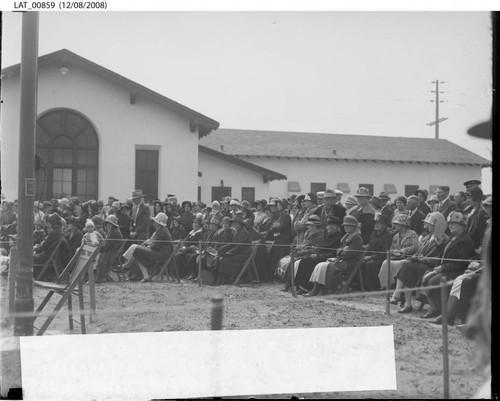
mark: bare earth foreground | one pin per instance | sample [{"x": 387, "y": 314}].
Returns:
[{"x": 166, "y": 306}]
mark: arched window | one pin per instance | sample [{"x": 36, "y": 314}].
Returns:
[{"x": 69, "y": 148}]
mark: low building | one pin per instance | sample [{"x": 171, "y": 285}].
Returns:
[
  {"x": 313, "y": 162},
  {"x": 101, "y": 134}
]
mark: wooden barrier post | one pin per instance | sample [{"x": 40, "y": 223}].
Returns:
[
  {"x": 292, "y": 272},
  {"x": 199, "y": 266},
  {"x": 388, "y": 297},
  {"x": 12, "y": 277},
  {"x": 217, "y": 308},
  {"x": 444, "y": 318}
]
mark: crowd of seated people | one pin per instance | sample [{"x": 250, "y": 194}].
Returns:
[{"x": 428, "y": 237}]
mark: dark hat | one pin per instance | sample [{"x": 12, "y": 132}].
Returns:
[
  {"x": 187, "y": 203},
  {"x": 97, "y": 220},
  {"x": 363, "y": 192},
  {"x": 157, "y": 201},
  {"x": 376, "y": 201},
  {"x": 47, "y": 203},
  {"x": 137, "y": 194},
  {"x": 226, "y": 219},
  {"x": 54, "y": 219},
  {"x": 237, "y": 218},
  {"x": 334, "y": 220},
  {"x": 55, "y": 202},
  {"x": 350, "y": 221},
  {"x": 423, "y": 192},
  {"x": 300, "y": 198},
  {"x": 262, "y": 202},
  {"x": 310, "y": 197},
  {"x": 112, "y": 219},
  {"x": 472, "y": 182},
  {"x": 313, "y": 220},
  {"x": 382, "y": 218},
  {"x": 383, "y": 195},
  {"x": 201, "y": 204}
]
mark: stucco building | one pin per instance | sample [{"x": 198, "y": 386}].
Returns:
[{"x": 313, "y": 162}]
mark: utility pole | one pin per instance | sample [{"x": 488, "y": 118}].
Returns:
[
  {"x": 437, "y": 101},
  {"x": 23, "y": 326}
]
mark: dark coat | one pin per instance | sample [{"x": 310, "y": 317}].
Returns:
[
  {"x": 141, "y": 223},
  {"x": 417, "y": 222},
  {"x": 75, "y": 239},
  {"x": 187, "y": 221},
  {"x": 109, "y": 253},
  {"x": 236, "y": 254},
  {"x": 477, "y": 224},
  {"x": 387, "y": 211},
  {"x": 365, "y": 215},
  {"x": 447, "y": 207},
  {"x": 124, "y": 224},
  {"x": 336, "y": 210},
  {"x": 458, "y": 248},
  {"x": 424, "y": 208}
]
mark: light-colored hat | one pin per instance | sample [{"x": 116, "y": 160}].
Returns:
[
  {"x": 112, "y": 219},
  {"x": 351, "y": 200},
  {"x": 433, "y": 198},
  {"x": 161, "y": 219},
  {"x": 488, "y": 201},
  {"x": 137, "y": 194},
  {"x": 350, "y": 221},
  {"x": 458, "y": 217},
  {"x": 313, "y": 220},
  {"x": 64, "y": 202},
  {"x": 329, "y": 193},
  {"x": 116, "y": 204},
  {"x": 363, "y": 192},
  {"x": 320, "y": 194},
  {"x": 89, "y": 223},
  {"x": 234, "y": 202},
  {"x": 215, "y": 203},
  {"x": 402, "y": 220},
  {"x": 339, "y": 192}
]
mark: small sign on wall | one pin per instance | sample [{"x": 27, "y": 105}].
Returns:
[{"x": 29, "y": 187}]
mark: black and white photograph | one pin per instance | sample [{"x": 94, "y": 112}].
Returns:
[{"x": 245, "y": 203}]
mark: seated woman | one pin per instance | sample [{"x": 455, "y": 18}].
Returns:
[
  {"x": 454, "y": 262},
  {"x": 109, "y": 250},
  {"x": 189, "y": 247},
  {"x": 328, "y": 275},
  {"x": 404, "y": 243},
  {"x": 327, "y": 249},
  {"x": 380, "y": 242},
  {"x": 156, "y": 249},
  {"x": 430, "y": 247},
  {"x": 177, "y": 230},
  {"x": 232, "y": 257}
]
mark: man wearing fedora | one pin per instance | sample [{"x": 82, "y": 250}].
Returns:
[
  {"x": 140, "y": 217},
  {"x": 233, "y": 256},
  {"x": 385, "y": 209},
  {"x": 330, "y": 208},
  {"x": 364, "y": 213}
]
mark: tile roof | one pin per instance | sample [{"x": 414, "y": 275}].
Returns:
[{"x": 340, "y": 147}]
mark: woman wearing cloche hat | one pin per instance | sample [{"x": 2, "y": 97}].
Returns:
[{"x": 328, "y": 275}]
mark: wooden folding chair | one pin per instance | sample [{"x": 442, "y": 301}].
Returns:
[
  {"x": 355, "y": 270},
  {"x": 80, "y": 265},
  {"x": 165, "y": 267},
  {"x": 249, "y": 266},
  {"x": 52, "y": 261}
]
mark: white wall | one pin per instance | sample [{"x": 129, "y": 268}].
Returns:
[
  {"x": 214, "y": 170},
  {"x": 120, "y": 127},
  {"x": 355, "y": 173}
]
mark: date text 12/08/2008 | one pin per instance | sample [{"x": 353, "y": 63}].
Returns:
[{"x": 61, "y": 5}]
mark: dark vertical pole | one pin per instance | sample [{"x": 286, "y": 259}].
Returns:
[
  {"x": 199, "y": 265},
  {"x": 292, "y": 272},
  {"x": 23, "y": 326},
  {"x": 389, "y": 273},
  {"x": 217, "y": 313},
  {"x": 444, "y": 317}
]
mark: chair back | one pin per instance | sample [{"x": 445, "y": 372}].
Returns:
[{"x": 82, "y": 259}]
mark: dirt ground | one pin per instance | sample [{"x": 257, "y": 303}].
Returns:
[{"x": 166, "y": 306}]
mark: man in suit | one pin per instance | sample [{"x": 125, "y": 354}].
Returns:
[
  {"x": 445, "y": 205},
  {"x": 416, "y": 216},
  {"x": 330, "y": 208},
  {"x": 140, "y": 217},
  {"x": 385, "y": 209}
]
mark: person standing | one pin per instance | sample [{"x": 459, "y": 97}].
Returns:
[
  {"x": 364, "y": 213},
  {"x": 415, "y": 215},
  {"x": 140, "y": 217},
  {"x": 445, "y": 205}
]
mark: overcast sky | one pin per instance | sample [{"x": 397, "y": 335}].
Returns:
[{"x": 332, "y": 72}]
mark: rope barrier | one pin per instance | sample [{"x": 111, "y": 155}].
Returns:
[{"x": 249, "y": 302}]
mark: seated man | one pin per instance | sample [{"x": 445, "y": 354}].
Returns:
[
  {"x": 188, "y": 248},
  {"x": 109, "y": 250},
  {"x": 232, "y": 257},
  {"x": 156, "y": 249}
]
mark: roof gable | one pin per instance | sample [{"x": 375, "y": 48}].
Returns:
[
  {"x": 66, "y": 58},
  {"x": 341, "y": 147}
]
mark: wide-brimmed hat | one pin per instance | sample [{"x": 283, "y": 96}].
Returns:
[
  {"x": 472, "y": 182},
  {"x": 334, "y": 220},
  {"x": 402, "y": 220},
  {"x": 352, "y": 200},
  {"x": 237, "y": 218},
  {"x": 383, "y": 195},
  {"x": 350, "y": 221},
  {"x": 234, "y": 202},
  {"x": 458, "y": 217},
  {"x": 137, "y": 194},
  {"x": 381, "y": 218},
  {"x": 246, "y": 204},
  {"x": 313, "y": 220},
  {"x": 112, "y": 219},
  {"x": 363, "y": 193},
  {"x": 161, "y": 219},
  {"x": 329, "y": 193},
  {"x": 201, "y": 204},
  {"x": 183, "y": 204}
]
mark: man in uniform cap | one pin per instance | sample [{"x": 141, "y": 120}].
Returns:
[{"x": 471, "y": 184}]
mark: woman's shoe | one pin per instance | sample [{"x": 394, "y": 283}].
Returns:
[
  {"x": 394, "y": 301},
  {"x": 147, "y": 279},
  {"x": 438, "y": 320},
  {"x": 430, "y": 314},
  {"x": 406, "y": 309}
]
